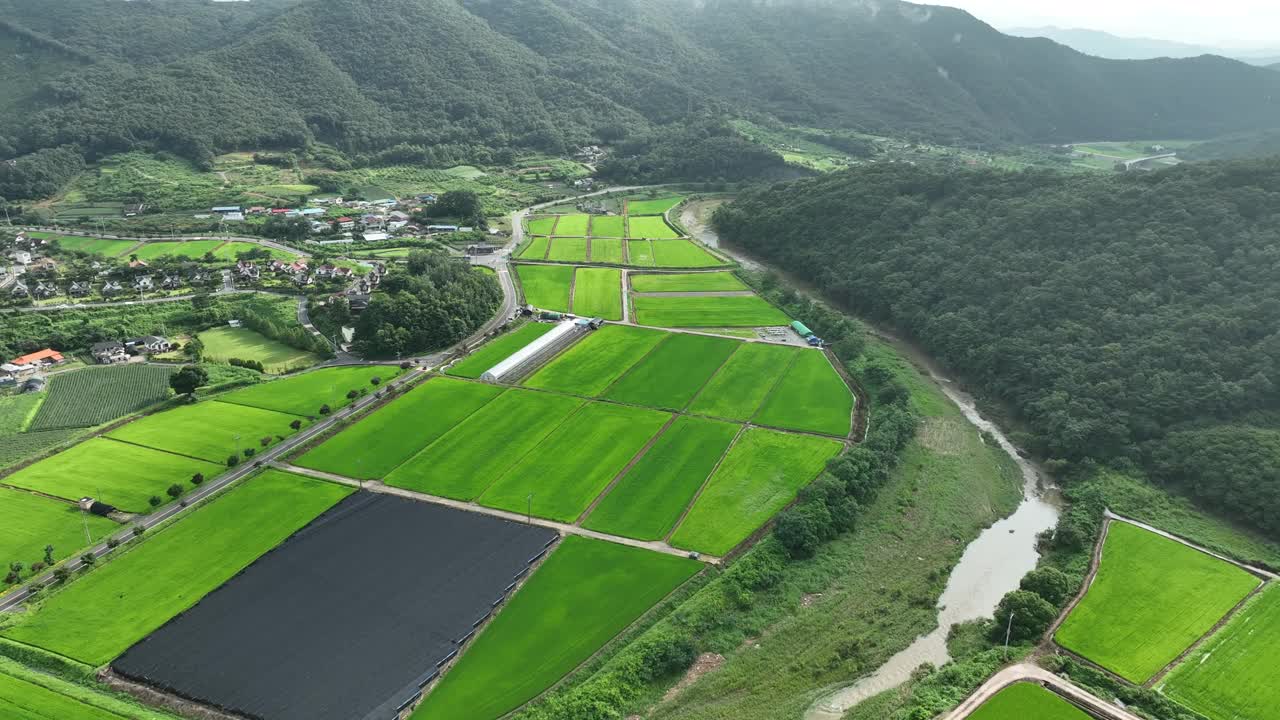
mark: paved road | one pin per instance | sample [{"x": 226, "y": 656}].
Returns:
[
  {"x": 194, "y": 498},
  {"x": 1026, "y": 672}
]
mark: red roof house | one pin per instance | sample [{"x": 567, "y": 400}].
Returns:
[{"x": 46, "y": 357}]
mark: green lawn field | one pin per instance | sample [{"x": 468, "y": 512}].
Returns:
[
  {"x": 640, "y": 252},
  {"x": 95, "y": 246},
  {"x": 96, "y": 395},
  {"x": 542, "y": 225},
  {"x": 208, "y": 430},
  {"x": 656, "y": 206},
  {"x": 498, "y": 349},
  {"x": 761, "y": 474},
  {"x": 1027, "y": 701},
  {"x": 303, "y": 394},
  {"x": 17, "y": 412},
  {"x": 1233, "y": 675},
  {"x": 132, "y": 595},
  {"x": 379, "y": 443},
  {"x": 608, "y": 226},
  {"x": 116, "y": 473},
  {"x": 230, "y": 250},
  {"x": 596, "y": 361},
  {"x": 654, "y": 228},
  {"x": 671, "y": 375},
  {"x": 190, "y": 250},
  {"x": 572, "y": 225},
  {"x": 649, "y": 499},
  {"x": 568, "y": 249},
  {"x": 687, "y": 282},
  {"x": 30, "y": 522},
  {"x": 1151, "y": 599},
  {"x": 682, "y": 254},
  {"x": 745, "y": 380},
  {"x": 546, "y": 286},
  {"x": 606, "y": 251},
  {"x": 695, "y": 312},
  {"x": 576, "y": 462},
  {"x": 810, "y": 396},
  {"x": 468, "y": 458},
  {"x": 22, "y": 700},
  {"x": 222, "y": 344},
  {"x": 536, "y": 249},
  {"x": 597, "y": 292},
  {"x": 587, "y": 592}
]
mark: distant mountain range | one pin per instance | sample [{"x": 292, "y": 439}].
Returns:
[{"x": 1105, "y": 45}]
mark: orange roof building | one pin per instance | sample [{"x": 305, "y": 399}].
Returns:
[{"x": 46, "y": 355}]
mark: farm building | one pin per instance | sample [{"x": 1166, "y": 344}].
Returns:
[
  {"x": 39, "y": 358},
  {"x": 535, "y": 352},
  {"x": 801, "y": 329}
]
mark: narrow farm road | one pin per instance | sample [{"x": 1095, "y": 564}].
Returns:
[{"x": 1026, "y": 672}]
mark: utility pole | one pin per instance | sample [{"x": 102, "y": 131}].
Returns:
[
  {"x": 1007, "y": 632},
  {"x": 528, "y": 513}
]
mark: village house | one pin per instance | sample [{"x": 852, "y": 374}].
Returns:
[
  {"x": 44, "y": 291},
  {"x": 19, "y": 290},
  {"x": 172, "y": 281},
  {"x": 112, "y": 287},
  {"x": 79, "y": 289},
  {"x": 318, "y": 227},
  {"x": 135, "y": 264},
  {"x": 246, "y": 269},
  {"x": 346, "y": 223},
  {"x": 325, "y": 271},
  {"x": 39, "y": 359},
  {"x": 199, "y": 277},
  {"x": 148, "y": 344},
  {"x": 109, "y": 353},
  {"x": 144, "y": 283},
  {"x": 375, "y": 236},
  {"x": 21, "y": 257}
]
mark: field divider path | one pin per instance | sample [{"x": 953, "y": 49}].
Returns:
[
  {"x": 626, "y": 296},
  {"x": 573, "y": 287},
  {"x": 562, "y": 528},
  {"x": 696, "y": 294},
  {"x": 1182, "y": 656},
  {"x": 627, "y": 469},
  {"x": 628, "y": 371},
  {"x": 705, "y": 482},
  {"x": 685, "y": 410},
  {"x": 777, "y": 380}
]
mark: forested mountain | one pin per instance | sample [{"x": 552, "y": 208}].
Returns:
[
  {"x": 1239, "y": 146},
  {"x": 371, "y": 76},
  {"x": 1127, "y": 319},
  {"x": 1105, "y": 45}
]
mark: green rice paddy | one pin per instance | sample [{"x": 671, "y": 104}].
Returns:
[
  {"x": 498, "y": 349},
  {"x": 1152, "y": 598},
  {"x": 640, "y": 252},
  {"x": 224, "y": 343},
  {"x": 649, "y": 499},
  {"x": 682, "y": 254},
  {"x": 1233, "y": 675},
  {"x": 673, "y": 373},
  {"x": 542, "y": 225},
  {"x": 189, "y": 250},
  {"x": 467, "y": 459},
  {"x": 656, "y": 206},
  {"x": 133, "y": 474},
  {"x": 230, "y": 250},
  {"x": 536, "y": 249},
  {"x": 687, "y": 282},
  {"x": 31, "y": 521},
  {"x": 706, "y": 311},
  {"x": 1027, "y": 701},
  {"x": 597, "y": 292},
  {"x": 745, "y": 380},
  {"x": 573, "y": 225},
  {"x": 810, "y": 396},
  {"x": 761, "y": 474},
  {"x": 135, "y": 593},
  {"x": 209, "y": 430},
  {"x": 565, "y": 249},
  {"x": 587, "y": 592},
  {"x": 303, "y": 394},
  {"x": 95, "y": 246},
  {"x": 654, "y": 228},
  {"x": 596, "y": 361},
  {"x": 608, "y": 226},
  {"x": 546, "y": 286},
  {"x": 606, "y": 251},
  {"x": 560, "y": 477},
  {"x": 379, "y": 443},
  {"x": 24, "y": 700}
]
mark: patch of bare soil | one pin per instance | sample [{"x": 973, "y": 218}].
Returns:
[
  {"x": 944, "y": 436},
  {"x": 705, "y": 663}
]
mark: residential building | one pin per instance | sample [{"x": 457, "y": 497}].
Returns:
[
  {"x": 19, "y": 290},
  {"x": 109, "y": 353},
  {"x": 44, "y": 291},
  {"x": 148, "y": 344},
  {"x": 144, "y": 283},
  {"x": 39, "y": 359},
  {"x": 21, "y": 257},
  {"x": 79, "y": 289},
  {"x": 112, "y": 287},
  {"x": 346, "y": 223}
]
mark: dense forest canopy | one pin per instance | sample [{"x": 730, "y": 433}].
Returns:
[
  {"x": 1127, "y": 319},
  {"x": 199, "y": 78}
]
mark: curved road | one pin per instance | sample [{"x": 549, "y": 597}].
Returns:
[{"x": 1026, "y": 672}]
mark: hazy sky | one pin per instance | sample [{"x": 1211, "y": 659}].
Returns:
[{"x": 1235, "y": 23}]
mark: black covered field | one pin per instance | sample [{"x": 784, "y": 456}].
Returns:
[{"x": 346, "y": 618}]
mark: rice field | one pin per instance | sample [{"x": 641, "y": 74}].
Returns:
[
  {"x": 116, "y": 473},
  {"x": 189, "y": 250},
  {"x": 597, "y": 292},
  {"x": 593, "y": 363},
  {"x": 574, "y": 225},
  {"x": 810, "y": 396},
  {"x": 1152, "y": 598},
  {"x": 230, "y": 250},
  {"x": 542, "y": 225},
  {"x": 224, "y": 343},
  {"x": 546, "y": 286},
  {"x": 687, "y": 282},
  {"x": 381, "y": 442},
  {"x": 682, "y": 254},
  {"x": 497, "y": 350},
  {"x": 1024, "y": 701},
  {"x": 606, "y": 251},
  {"x": 1233, "y": 675},
  {"x": 745, "y": 380},
  {"x": 17, "y": 412},
  {"x": 564, "y": 473},
  {"x": 653, "y": 228},
  {"x": 96, "y": 395},
  {"x": 673, "y": 373},
  {"x": 565, "y": 249},
  {"x": 303, "y": 394},
  {"x": 761, "y": 475},
  {"x": 22, "y": 699},
  {"x": 587, "y": 592},
  {"x": 640, "y": 253},
  {"x": 31, "y": 521},
  {"x": 136, "y": 592},
  {"x": 464, "y": 461},
  {"x": 649, "y": 499},
  {"x": 209, "y": 430},
  {"x": 608, "y": 226},
  {"x": 657, "y": 206},
  {"x": 536, "y": 249},
  {"x": 94, "y": 246},
  {"x": 706, "y": 311}
]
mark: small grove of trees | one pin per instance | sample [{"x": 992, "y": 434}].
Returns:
[
  {"x": 249, "y": 364},
  {"x": 188, "y": 379}
]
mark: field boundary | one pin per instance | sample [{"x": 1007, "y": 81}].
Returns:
[
  {"x": 1260, "y": 573},
  {"x": 714, "y": 373},
  {"x": 626, "y": 469},
  {"x": 795, "y": 357},
  {"x": 1027, "y": 672},
  {"x": 1208, "y": 635},
  {"x": 742, "y": 429}
]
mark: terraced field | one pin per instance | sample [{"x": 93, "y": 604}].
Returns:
[
  {"x": 536, "y": 249},
  {"x": 608, "y": 226},
  {"x": 606, "y": 251},
  {"x": 1024, "y": 701},
  {"x": 745, "y": 381},
  {"x": 640, "y": 253},
  {"x": 94, "y": 246},
  {"x": 656, "y": 206},
  {"x": 573, "y": 225},
  {"x": 224, "y": 343},
  {"x": 189, "y": 250},
  {"x": 682, "y": 254},
  {"x": 29, "y": 522},
  {"x": 542, "y": 225}
]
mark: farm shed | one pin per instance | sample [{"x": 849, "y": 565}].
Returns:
[
  {"x": 527, "y": 356},
  {"x": 801, "y": 328}
]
